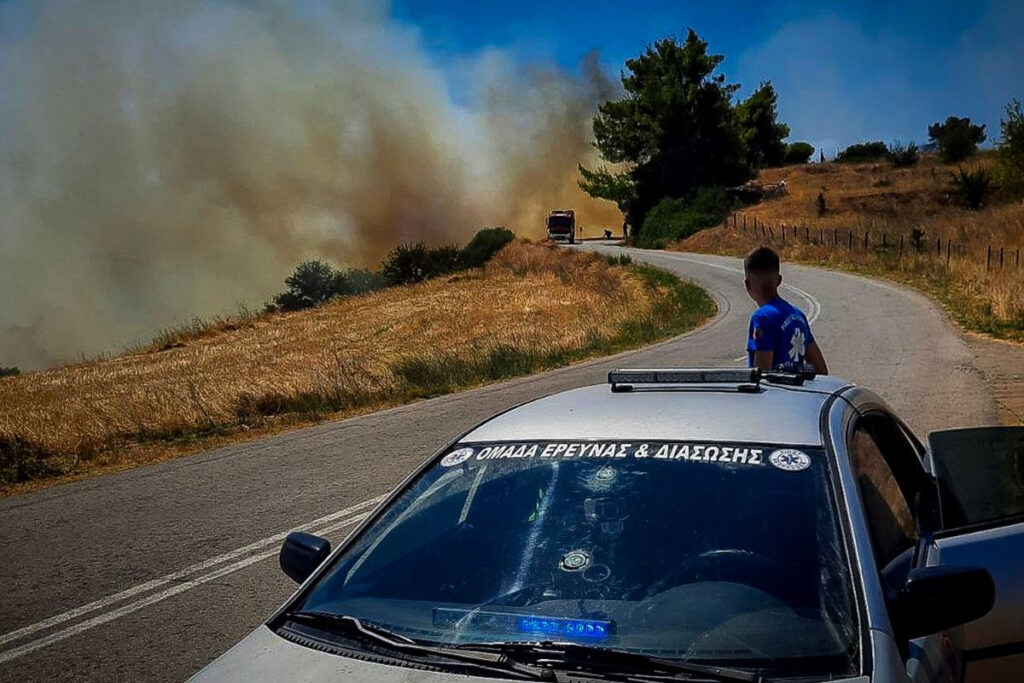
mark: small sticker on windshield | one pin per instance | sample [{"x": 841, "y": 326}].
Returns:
[
  {"x": 457, "y": 457},
  {"x": 789, "y": 459}
]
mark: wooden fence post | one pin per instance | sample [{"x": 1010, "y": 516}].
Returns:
[
  {"x": 851, "y": 240},
  {"x": 1000, "y": 258},
  {"x": 949, "y": 248},
  {"x": 988, "y": 259},
  {"x": 835, "y": 237},
  {"x": 885, "y": 240},
  {"x": 744, "y": 222},
  {"x": 901, "y": 246},
  {"x": 865, "y": 240},
  {"x": 938, "y": 246}
]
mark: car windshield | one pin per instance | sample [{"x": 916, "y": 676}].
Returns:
[
  {"x": 559, "y": 222},
  {"x": 705, "y": 552}
]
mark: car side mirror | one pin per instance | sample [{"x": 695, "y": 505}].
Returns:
[
  {"x": 302, "y": 553},
  {"x": 936, "y": 598}
]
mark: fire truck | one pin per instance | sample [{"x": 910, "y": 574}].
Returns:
[{"x": 562, "y": 226}]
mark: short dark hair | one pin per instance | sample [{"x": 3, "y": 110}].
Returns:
[{"x": 761, "y": 259}]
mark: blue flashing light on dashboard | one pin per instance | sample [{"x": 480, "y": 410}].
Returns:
[{"x": 573, "y": 628}]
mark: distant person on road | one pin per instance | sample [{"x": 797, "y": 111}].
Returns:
[{"x": 779, "y": 337}]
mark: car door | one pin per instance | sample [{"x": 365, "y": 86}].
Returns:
[
  {"x": 981, "y": 489},
  {"x": 893, "y": 487}
]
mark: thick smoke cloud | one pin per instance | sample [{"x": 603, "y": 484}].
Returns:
[{"x": 162, "y": 160}]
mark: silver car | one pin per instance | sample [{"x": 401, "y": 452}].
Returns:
[{"x": 718, "y": 525}]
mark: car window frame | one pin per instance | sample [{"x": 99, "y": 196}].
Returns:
[{"x": 916, "y": 478}]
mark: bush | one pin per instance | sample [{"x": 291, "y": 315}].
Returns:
[
  {"x": 9, "y": 372},
  {"x": 675, "y": 219},
  {"x": 957, "y": 138},
  {"x": 904, "y": 156},
  {"x": 798, "y": 153},
  {"x": 361, "y": 281},
  {"x": 864, "y": 151},
  {"x": 972, "y": 187},
  {"x": 312, "y": 283},
  {"x": 444, "y": 260},
  {"x": 485, "y": 244},
  {"x": 406, "y": 264},
  {"x": 1010, "y": 154}
]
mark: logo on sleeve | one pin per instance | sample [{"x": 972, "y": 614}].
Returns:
[
  {"x": 789, "y": 459},
  {"x": 797, "y": 345}
]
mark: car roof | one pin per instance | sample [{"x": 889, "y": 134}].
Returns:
[{"x": 774, "y": 414}]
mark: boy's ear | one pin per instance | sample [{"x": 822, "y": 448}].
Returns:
[{"x": 778, "y": 279}]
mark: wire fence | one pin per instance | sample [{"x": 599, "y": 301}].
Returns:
[{"x": 996, "y": 257}]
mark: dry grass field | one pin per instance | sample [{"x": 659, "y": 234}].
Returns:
[
  {"x": 532, "y": 307},
  {"x": 889, "y": 204}
]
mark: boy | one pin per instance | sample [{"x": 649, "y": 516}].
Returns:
[{"x": 779, "y": 337}]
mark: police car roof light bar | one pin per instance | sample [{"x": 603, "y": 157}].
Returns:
[{"x": 623, "y": 380}]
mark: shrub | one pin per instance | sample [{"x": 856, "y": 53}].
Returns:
[
  {"x": 957, "y": 138},
  {"x": 443, "y": 260},
  {"x": 1010, "y": 154},
  {"x": 406, "y": 264},
  {"x": 904, "y": 156},
  {"x": 9, "y": 372},
  {"x": 485, "y": 244},
  {"x": 23, "y": 460},
  {"x": 972, "y": 187},
  {"x": 798, "y": 153},
  {"x": 676, "y": 218},
  {"x": 312, "y": 283},
  {"x": 361, "y": 281},
  {"x": 864, "y": 151}
]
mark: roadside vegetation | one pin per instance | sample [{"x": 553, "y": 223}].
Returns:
[
  {"x": 933, "y": 208},
  {"x": 528, "y": 308}
]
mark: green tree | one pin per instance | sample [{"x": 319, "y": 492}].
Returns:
[
  {"x": 863, "y": 151},
  {"x": 1010, "y": 151},
  {"x": 759, "y": 128},
  {"x": 312, "y": 283},
  {"x": 798, "y": 153},
  {"x": 957, "y": 138},
  {"x": 671, "y": 132}
]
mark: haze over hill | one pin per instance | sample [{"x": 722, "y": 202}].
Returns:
[{"x": 159, "y": 161}]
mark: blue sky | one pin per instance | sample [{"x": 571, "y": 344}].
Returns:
[{"x": 845, "y": 71}]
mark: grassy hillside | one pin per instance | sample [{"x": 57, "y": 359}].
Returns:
[
  {"x": 532, "y": 307},
  {"x": 948, "y": 257}
]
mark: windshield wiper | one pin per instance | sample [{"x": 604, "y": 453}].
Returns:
[
  {"x": 352, "y": 627},
  {"x": 602, "y": 660}
]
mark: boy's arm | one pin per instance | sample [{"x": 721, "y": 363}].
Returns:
[
  {"x": 763, "y": 360},
  {"x": 814, "y": 356}
]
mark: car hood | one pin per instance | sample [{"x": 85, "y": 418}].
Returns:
[{"x": 265, "y": 656}]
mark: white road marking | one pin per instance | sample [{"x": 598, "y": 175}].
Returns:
[
  {"x": 179, "y": 587},
  {"x": 178, "y": 577},
  {"x": 814, "y": 306}
]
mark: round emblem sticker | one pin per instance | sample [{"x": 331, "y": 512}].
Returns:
[
  {"x": 457, "y": 457},
  {"x": 789, "y": 460}
]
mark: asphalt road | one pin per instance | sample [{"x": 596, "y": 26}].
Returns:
[{"x": 151, "y": 573}]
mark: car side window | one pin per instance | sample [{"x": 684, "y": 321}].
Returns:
[{"x": 878, "y": 459}]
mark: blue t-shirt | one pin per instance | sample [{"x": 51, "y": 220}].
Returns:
[{"x": 781, "y": 328}]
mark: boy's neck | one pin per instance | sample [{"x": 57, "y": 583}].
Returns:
[{"x": 765, "y": 297}]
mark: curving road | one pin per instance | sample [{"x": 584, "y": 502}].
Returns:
[{"x": 150, "y": 573}]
